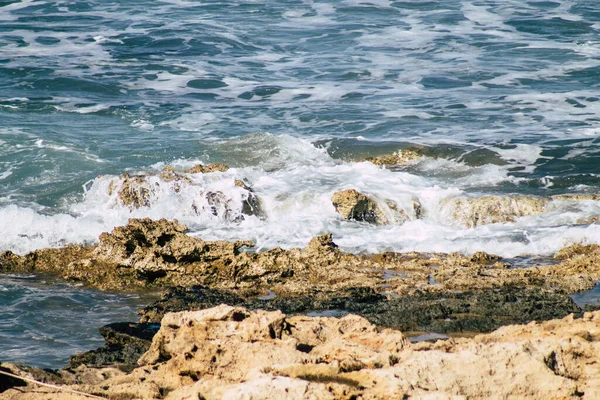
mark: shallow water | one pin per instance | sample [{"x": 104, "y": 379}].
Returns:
[
  {"x": 587, "y": 298},
  {"x": 290, "y": 94},
  {"x": 43, "y": 323}
]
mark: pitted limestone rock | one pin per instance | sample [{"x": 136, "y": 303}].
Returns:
[
  {"x": 400, "y": 157},
  {"x": 230, "y": 352},
  {"x": 353, "y": 205},
  {"x": 474, "y": 211}
]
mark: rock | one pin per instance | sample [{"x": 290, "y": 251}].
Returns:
[
  {"x": 126, "y": 342},
  {"x": 577, "y": 197},
  {"x": 204, "y": 169},
  {"x": 231, "y": 352},
  {"x": 577, "y": 250},
  {"x": 474, "y": 211},
  {"x": 169, "y": 174},
  {"x": 155, "y": 254},
  {"x": 251, "y": 205},
  {"x": 404, "y": 156},
  {"x": 134, "y": 191},
  {"x": 353, "y": 205},
  {"x": 442, "y": 312}
]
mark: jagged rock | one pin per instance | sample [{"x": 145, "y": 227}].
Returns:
[
  {"x": 252, "y": 204},
  {"x": 436, "y": 312},
  {"x": 354, "y": 205},
  {"x": 400, "y": 157},
  {"x": 474, "y": 211},
  {"x": 169, "y": 174},
  {"x": 577, "y": 250},
  {"x": 204, "y": 169},
  {"x": 148, "y": 253},
  {"x": 134, "y": 191},
  {"x": 230, "y": 352},
  {"x": 126, "y": 342},
  {"x": 577, "y": 197}
]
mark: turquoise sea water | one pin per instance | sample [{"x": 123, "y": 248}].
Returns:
[{"x": 289, "y": 93}]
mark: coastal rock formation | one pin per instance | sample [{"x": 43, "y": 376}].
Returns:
[
  {"x": 148, "y": 253},
  {"x": 474, "y": 211},
  {"x": 155, "y": 254},
  {"x": 142, "y": 190},
  {"x": 443, "y": 312},
  {"x": 204, "y": 169},
  {"x": 126, "y": 342},
  {"x": 400, "y": 157},
  {"x": 230, "y": 352},
  {"x": 354, "y": 205}
]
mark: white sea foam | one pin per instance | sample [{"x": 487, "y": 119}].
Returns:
[{"x": 295, "y": 182}]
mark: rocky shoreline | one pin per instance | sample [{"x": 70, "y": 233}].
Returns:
[
  {"x": 232, "y": 352},
  {"x": 318, "y": 322},
  {"x": 376, "y": 297}
]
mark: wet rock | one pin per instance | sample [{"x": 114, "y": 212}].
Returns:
[
  {"x": 448, "y": 312},
  {"x": 251, "y": 205},
  {"x": 475, "y": 211},
  {"x": 577, "y": 250},
  {"x": 169, "y": 174},
  {"x": 126, "y": 342},
  {"x": 204, "y": 169},
  {"x": 404, "y": 156},
  {"x": 134, "y": 191},
  {"x": 353, "y": 205},
  {"x": 155, "y": 254},
  {"x": 148, "y": 253},
  {"x": 577, "y": 197},
  {"x": 232, "y": 352}
]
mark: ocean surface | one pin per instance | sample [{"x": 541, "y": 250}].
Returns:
[{"x": 290, "y": 95}]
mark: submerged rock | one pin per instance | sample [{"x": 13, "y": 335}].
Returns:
[{"x": 231, "y": 352}]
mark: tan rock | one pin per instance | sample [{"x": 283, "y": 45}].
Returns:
[
  {"x": 577, "y": 197},
  {"x": 474, "y": 211},
  {"x": 353, "y": 205},
  {"x": 204, "y": 169},
  {"x": 229, "y": 352},
  {"x": 134, "y": 191},
  {"x": 397, "y": 158}
]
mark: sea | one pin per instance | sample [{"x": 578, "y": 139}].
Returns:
[{"x": 503, "y": 95}]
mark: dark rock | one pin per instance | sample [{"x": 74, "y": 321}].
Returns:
[
  {"x": 125, "y": 344},
  {"x": 437, "y": 312}
]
